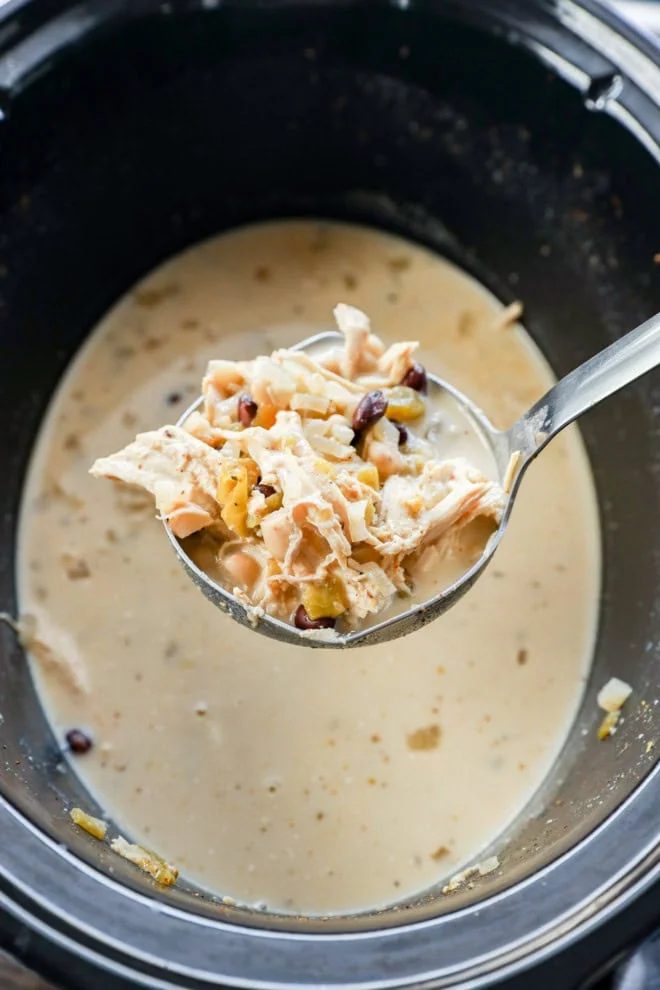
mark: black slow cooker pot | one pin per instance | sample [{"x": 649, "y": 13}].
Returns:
[{"x": 520, "y": 139}]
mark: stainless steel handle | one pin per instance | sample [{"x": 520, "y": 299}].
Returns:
[
  {"x": 643, "y": 13},
  {"x": 598, "y": 378}
]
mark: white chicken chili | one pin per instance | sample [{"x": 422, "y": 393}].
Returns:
[{"x": 301, "y": 780}]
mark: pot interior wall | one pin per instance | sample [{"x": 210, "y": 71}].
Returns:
[{"x": 165, "y": 130}]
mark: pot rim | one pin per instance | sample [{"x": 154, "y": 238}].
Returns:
[
  {"x": 130, "y": 935},
  {"x": 47, "y": 888}
]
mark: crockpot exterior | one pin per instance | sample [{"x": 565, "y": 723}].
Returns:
[{"x": 565, "y": 921}]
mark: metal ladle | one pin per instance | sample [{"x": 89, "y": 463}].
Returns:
[{"x": 513, "y": 450}]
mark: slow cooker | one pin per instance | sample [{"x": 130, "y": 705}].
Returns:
[{"x": 521, "y": 138}]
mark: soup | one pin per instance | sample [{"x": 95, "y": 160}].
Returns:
[{"x": 301, "y": 780}]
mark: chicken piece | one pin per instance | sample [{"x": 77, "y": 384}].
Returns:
[
  {"x": 179, "y": 470},
  {"x": 244, "y": 565},
  {"x": 167, "y": 454},
  {"x": 381, "y": 448},
  {"x": 53, "y": 649},
  {"x": 276, "y": 532},
  {"x": 419, "y": 510},
  {"x": 386, "y": 460},
  {"x": 368, "y": 590},
  {"x": 320, "y": 379},
  {"x": 174, "y": 502},
  {"x": 356, "y": 327},
  {"x": 306, "y": 403},
  {"x": 361, "y": 349},
  {"x": 331, "y": 437},
  {"x": 397, "y": 359},
  {"x": 218, "y": 413},
  {"x": 184, "y": 520},
  {"x": 226, "y": 378},
  {"x": 272, "y": 384}
]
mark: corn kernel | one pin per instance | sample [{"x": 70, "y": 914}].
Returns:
[
  {"x": 368, "y": 475},
  {"x": 265, "y": 416},
  {"x": 237, "y": 479},
  {"x": 608, "y": 726},
  {"x": 404, "y": 404},
  {"x": 325, "y": 599},
  {"x": 414, "y": 505},
  {"x": 274, "y": 502},
  {"x": 95, "y": 826},
  {"x": 323, "y": 466}
]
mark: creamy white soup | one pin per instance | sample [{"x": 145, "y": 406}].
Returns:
[{"x": 300, "y": 780}]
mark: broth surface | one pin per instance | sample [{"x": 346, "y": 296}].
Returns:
[{"x": 300, "y": 780}]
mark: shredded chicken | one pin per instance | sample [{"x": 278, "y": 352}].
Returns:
[
  {"x": 55, "y": 650},
  {"x": 298, "y": 470}
]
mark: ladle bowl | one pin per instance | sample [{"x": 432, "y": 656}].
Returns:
[{"x": 513, "y": 451}]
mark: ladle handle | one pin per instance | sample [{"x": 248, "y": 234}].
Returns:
[{"x": 601, "y": 376}]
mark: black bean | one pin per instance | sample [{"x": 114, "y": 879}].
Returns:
[
  {"x": 370, "y": 409},
  {"x": 247, "y": 409},
  {"x": 303, "y": 621},
  {"x": 415, "y": 377},
  {"x": 403, "y": 432},
  {"x": 78, "y": 741},
  {"x": 266, "y": 490},
  {"x": 174, "y": 398}
]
